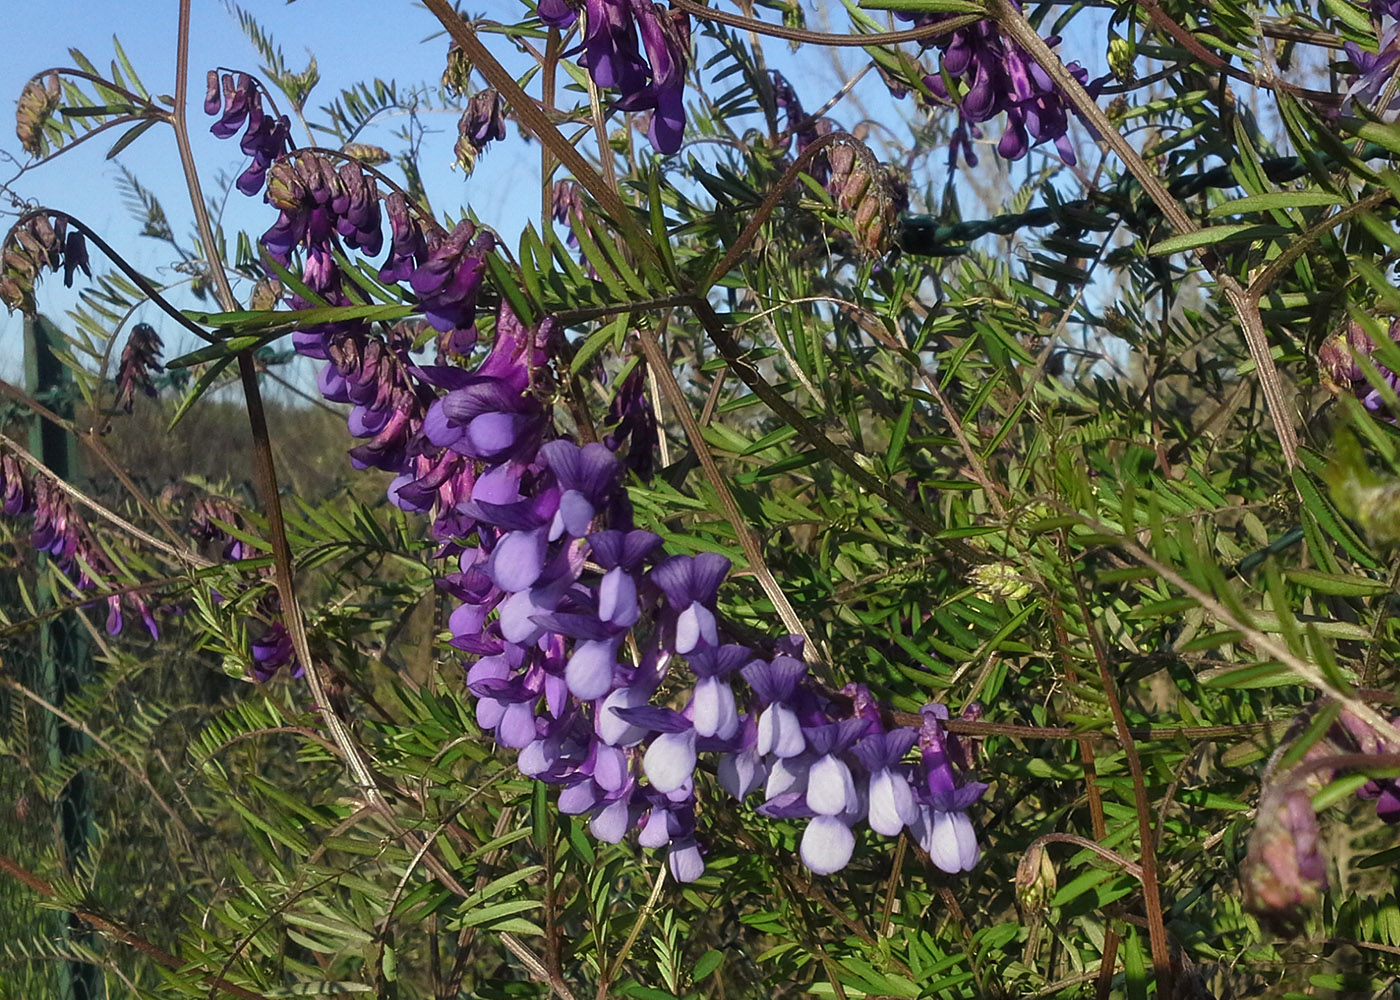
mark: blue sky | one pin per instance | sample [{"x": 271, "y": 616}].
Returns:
[
  {"x": 504, "y": 187},
  {"x": 353, "y": 40}
]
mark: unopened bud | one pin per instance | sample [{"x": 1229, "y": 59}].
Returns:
[
  {"x": 1035, "y": 883},
  {"x": 998, "y": 581},
  {"x": 1120, "y": 59},
  {"x": 1284, "y": 873},
  {"x": 366, "y": 153}
]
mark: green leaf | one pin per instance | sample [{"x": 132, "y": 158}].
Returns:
[
  {"x": 708, "y": 963},
  {"x": 1275, "y": 200},
  {"x": 1336, "y": 584},
  {"x": 1215, "y": 235}
]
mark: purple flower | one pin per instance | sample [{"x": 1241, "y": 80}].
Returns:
[
  {"x": 272, "y": 651},
  {"x": 691, "y": 584},
  {"x": 776, "y": 686},
  {"x": 266, "y": 138},
  {"x": 621, "y": 556},
  {"x": 408, "y": 248},
  {"x": 943, "y": 828},
  {"x": 995, "y": 76},
  {"x": 557, "y": 13},
  {"x": 16, "y": 497},
  {"x": 612, "y": 57},
  {"x": 713, "y": 707},
  {"x": 1341, "y": 369},
  {"x": 449, "y": 279},
  {"x": 892, "y": 806},
  {"x": 588, "y": 477},
  {"x": 484, "y": 120}
]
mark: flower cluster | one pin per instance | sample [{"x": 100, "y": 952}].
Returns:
[
  {"x": 60, "y": 533},
  {"x": 652, "y": 82},
  {"x": 140, "y": 358},
  {"x": 36, "y": 244},
  {"x": 239, "y": 102},
  {"x": 1341, "y": 370},
  {"x": 1284, "y": 870},
  {"x": 481, "y": 124},
  {"x": 581, "y": 628},
  {"x": 560, "y": 582},
  {"x": 983, "y": 74}
]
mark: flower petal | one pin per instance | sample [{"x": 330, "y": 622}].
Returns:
[{"x": 827, "y": 845}]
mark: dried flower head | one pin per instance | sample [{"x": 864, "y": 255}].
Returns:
[
  {"x": 34, "y": 245},
  {"x": 865, "y": 191},
  {"x": 37, "y": 103},
  {"x": 140, "y": 358}
]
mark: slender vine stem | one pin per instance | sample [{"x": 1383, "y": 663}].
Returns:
[
  {"x": 1151, "y": 893},
  {"x": 137, "y": 278},
  {"x": 660, "y": 366},
  {"x": 918, "y": 34}
]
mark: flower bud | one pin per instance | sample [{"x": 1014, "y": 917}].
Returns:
[
  {"x": 1284, "y": 872},
  {"x": 1035, "y": 883},
  {"x": 366, "y": 153},
  {"x": 37, "y": 103},
  {"x": 1120, "y": 59},
  {"x": 140, "y": 357},
  {"x": 998, "y": 581}
]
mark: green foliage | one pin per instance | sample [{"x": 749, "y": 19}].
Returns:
[{"x": 1038, "y": 473}]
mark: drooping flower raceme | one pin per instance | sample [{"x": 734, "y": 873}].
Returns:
[
  {"x": 613, "y": 58},
  {"x": 577, "y": 624},
  {"x": 983, "y": 74}
]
